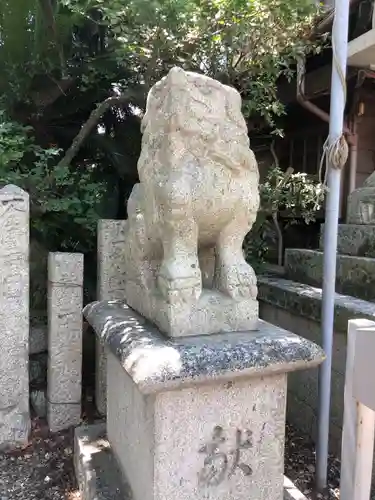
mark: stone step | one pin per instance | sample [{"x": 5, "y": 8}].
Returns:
[
  {"x": 306, "y": 301},
  {"x": 353, "y": 239},
  {"x": 355, "y": 276}
]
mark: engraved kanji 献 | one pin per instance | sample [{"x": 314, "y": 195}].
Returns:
[{"x": 217, "y": 463}]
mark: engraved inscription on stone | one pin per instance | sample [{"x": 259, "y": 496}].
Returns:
[{"x": 218, "y": 464}]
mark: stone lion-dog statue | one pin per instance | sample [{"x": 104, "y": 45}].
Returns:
[{"x": 196, "y": 200}]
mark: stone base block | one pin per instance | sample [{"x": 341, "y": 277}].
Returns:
[
  {"x": 97, "y": 472},
  {"x": 63, "y": 415},
  {"x": 361, "y": 206},
  {"x": 353, "y": 239},
  {"x": 197, "y": 417},
  {"x": 354, "y": 275},
  {"x": 214, "y": 312},
  {"x": 14, "y": 427},
  {"x": 223, "y": 441},
  {"x": 99, "y": 477}
]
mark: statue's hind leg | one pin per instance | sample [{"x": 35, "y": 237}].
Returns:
[
  {"x": 179, "y": 276},
  {"x": 233, "y": 275}
]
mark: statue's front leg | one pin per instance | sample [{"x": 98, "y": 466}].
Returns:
[
  {"x": 179, "y": 276},
  {"x": 233, "y": 275}
]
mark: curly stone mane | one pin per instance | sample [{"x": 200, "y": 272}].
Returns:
[{"x": 204, "y": 129}]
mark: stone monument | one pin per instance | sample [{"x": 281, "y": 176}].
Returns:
[
  {"x": 196, "y": 383},
  {"x": 14, "y": 317},
  {"x": 196, "y": 201}
]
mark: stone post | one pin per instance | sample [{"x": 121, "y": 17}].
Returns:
[
  {"x": 65, "y": 302},
  {"x": 111, "y": 285},
  {"x": 14, "y": 317}
]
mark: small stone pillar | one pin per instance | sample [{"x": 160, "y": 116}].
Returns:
[
  {"x": 198, "y": 417},
  {"x": 111, "y": 285},
  {"x": 14, "y": 317},
  {"x": 65, "y": 302}
]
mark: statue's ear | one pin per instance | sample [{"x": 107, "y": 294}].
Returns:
[{"x": 233, "y": 106}]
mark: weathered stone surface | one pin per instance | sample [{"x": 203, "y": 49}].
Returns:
[
  {"x": 98, "y": 474},
  {"x": 354, "y": 239},
  {"x": 14, "y": 316},
  {"x": 354, "y": 275},
  {"x": 63, "y": 415},
  {"x": 197, "y": 199},
  {"x": 169, "y": 442},
  {"x": 111, "y": 285},
  {"x": 361, "y": 203},
  {"x": 96, "y": 468},
  {"x": 156, "y": 363},
  {"x": 65, "y": 302},
  {"x": 306, "y": 301},
  {"x": 100, "y": 377},
  {"x": 111, "y": 272}
]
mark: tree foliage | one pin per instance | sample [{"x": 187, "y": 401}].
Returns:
[
  {"x": 64, "y": 200},
  {"x": 298, "y": 196},
  {"x": 60, "y": 59},
  {"x": 246, "y": 43}
]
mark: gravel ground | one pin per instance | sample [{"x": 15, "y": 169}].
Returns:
[
  {"x": 41, "y": 471},
  {"x": 300, "y": 466},
  {"x": 44, "y": 469}
]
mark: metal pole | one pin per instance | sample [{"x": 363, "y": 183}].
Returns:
[{"x": 337, "y": 107}]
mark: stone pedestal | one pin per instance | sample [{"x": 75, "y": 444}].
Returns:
[{"x": 197, "y": 417}]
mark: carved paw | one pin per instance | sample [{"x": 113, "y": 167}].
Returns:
[
  {"x": 180, "y": 282},
  {"x": 238, "y": 281}
]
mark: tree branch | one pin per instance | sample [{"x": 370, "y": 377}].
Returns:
[{"x": 90, "y": 123}]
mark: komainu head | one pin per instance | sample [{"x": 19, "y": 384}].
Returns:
[{"x": 197, "y": 114}]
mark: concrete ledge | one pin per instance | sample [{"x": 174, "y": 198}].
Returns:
[
  {"x": 98, "y": 475},
  {"x": 355, "y": 275},
  {"x": 306, "y": 300},
  {"x": 156, "y": 363},
  {"x": 353, "y": 239}
]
